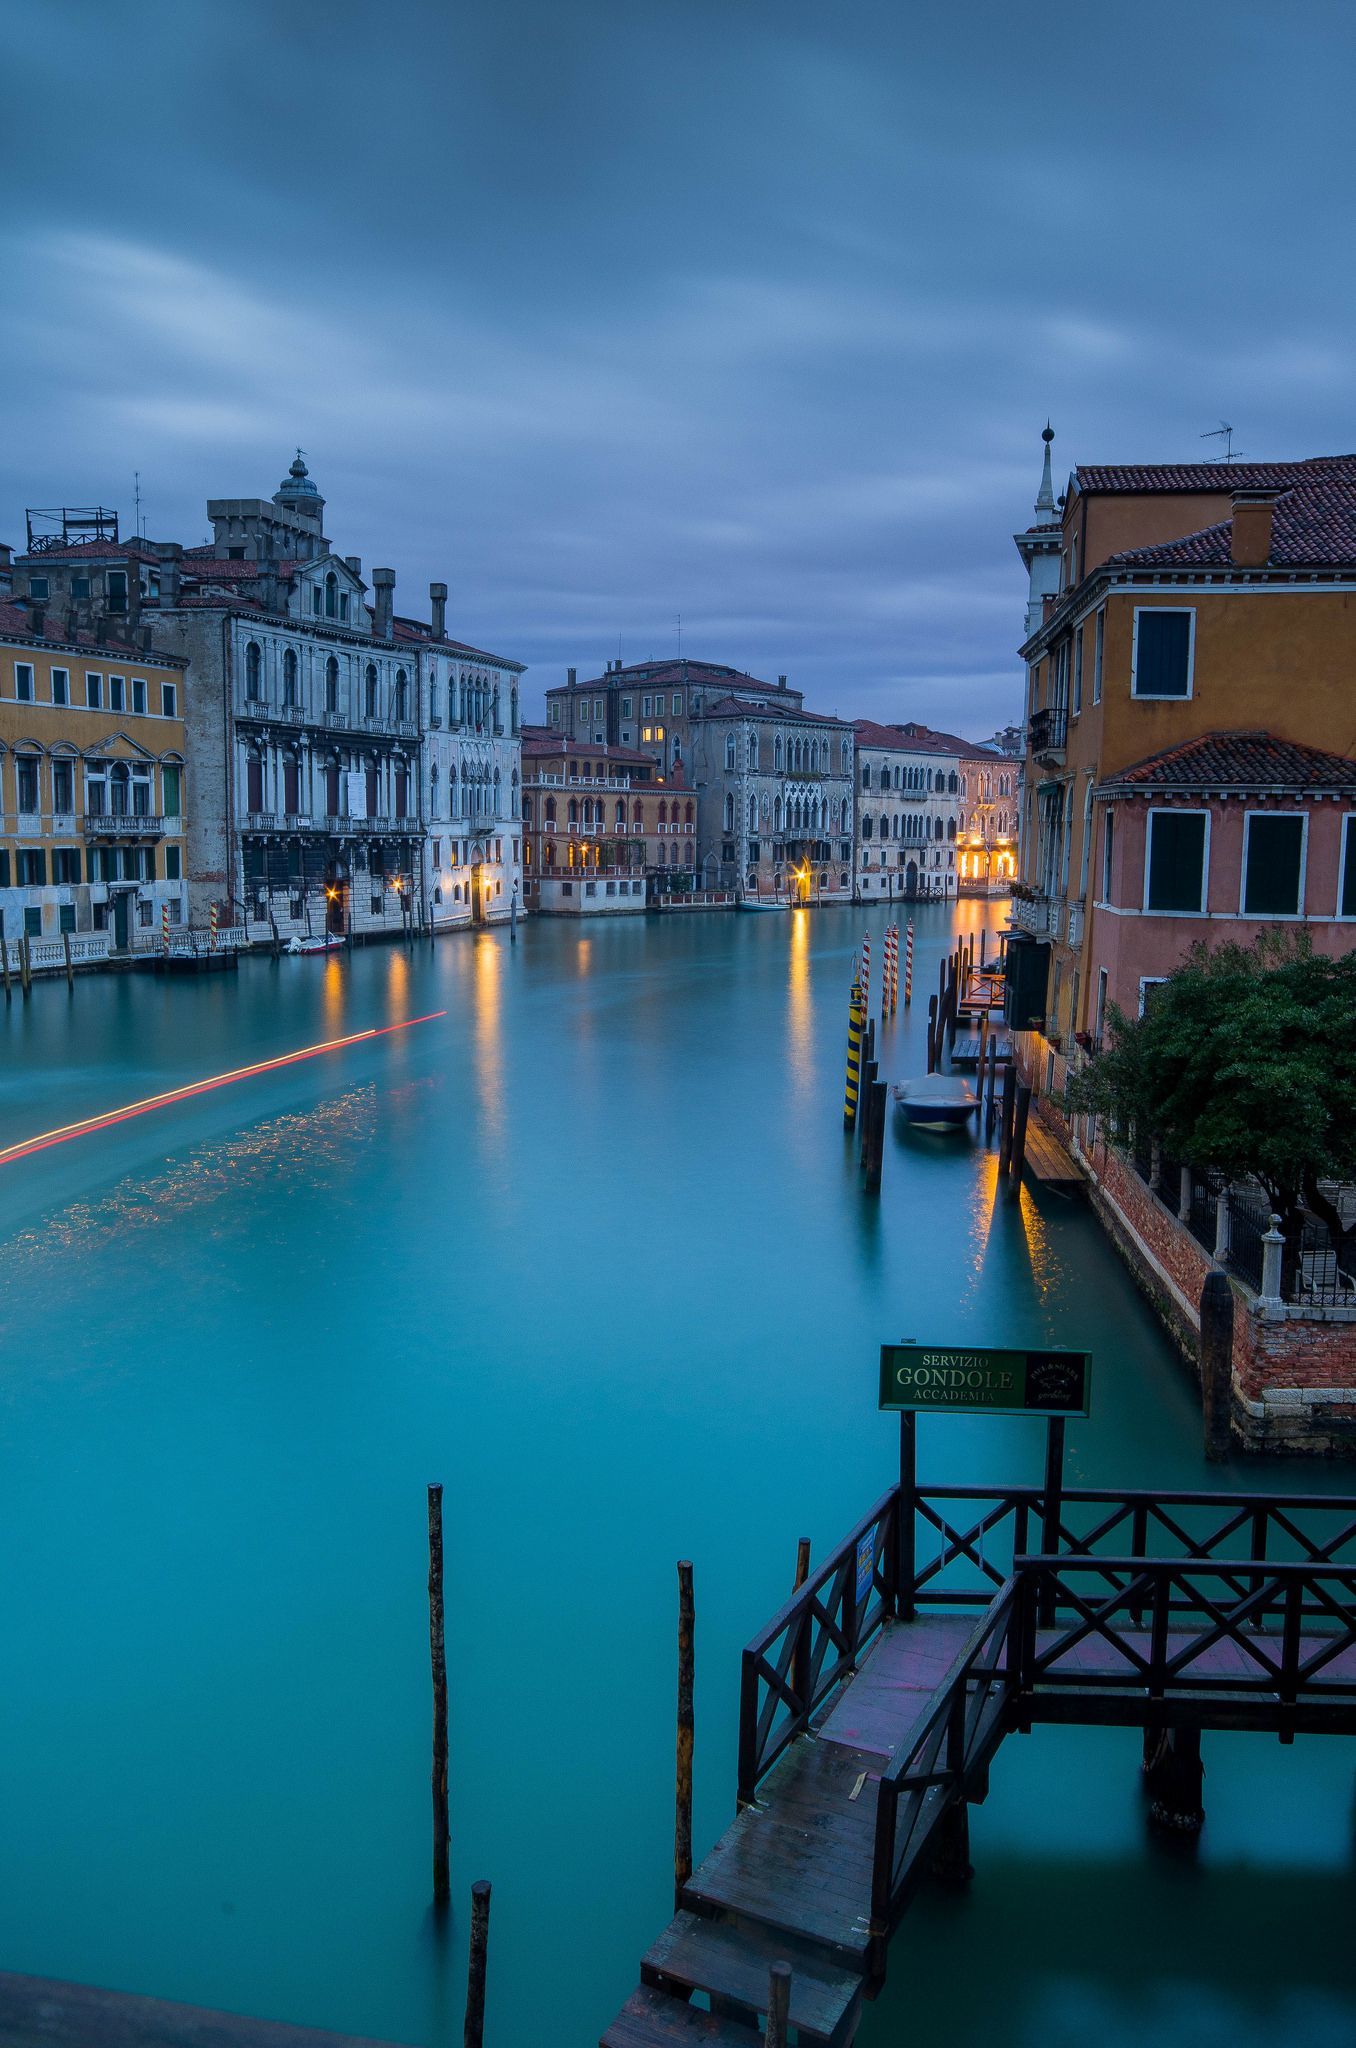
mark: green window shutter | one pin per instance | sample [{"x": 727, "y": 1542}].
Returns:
[
  {"x": 1176, "y": 860},
  {"x": 1271, "y": 883},
  {"x": 1162, "y": 653},
  {"x": 1348, "y": 905}
]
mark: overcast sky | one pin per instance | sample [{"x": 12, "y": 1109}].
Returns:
[{"x": 606, "y": 311}]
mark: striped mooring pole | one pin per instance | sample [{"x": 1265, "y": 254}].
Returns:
[
  {"x": 891, "y": 991},
  {"x": 856, "y": 1014},
  {"x": 212, "y": 929},
  {"x": 908, "y": 966},
  {"x": 164, "y": 927},
  {"x": 866, "y": 972}
]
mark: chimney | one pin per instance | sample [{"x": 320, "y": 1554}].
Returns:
[
  {"x": 169, "y": 580},
  {"x": 383, "y": 584},
  {"x": 570, "y": 675},
  {"x": 355, "y": 563},
  {"x": 1250, "y": 547},
  {"x": 437, "y": 593},
  {"x": 781, "y": 682},
  {"x": 37, "y": 620},
  {"x": 1048, "y": 602}
]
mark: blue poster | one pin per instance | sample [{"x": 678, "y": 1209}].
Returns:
[{"x": 866, "y": 1568}]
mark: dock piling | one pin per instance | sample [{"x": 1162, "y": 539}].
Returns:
[
  {"x": 854, "y": 1057},
  {"x": 874, "y": 1158},
  {"x": 682, "y": 1818},
  {"x": 990, "y": 1108},
  {"x": 70, "y": 964},
  {"x": 25, "y": 963},
  {"x": 1023, "y": 1110},
  {"x": 438, "y": 1660},
  {"x": 474, "y": 2033},
  {"x": 778, "y": 2005},
  {"x": 908, "y": 966},
  {"x": 802, "y": 1563},
  {"x": 932, "y": 1034},
  {"x": 4, "y": 957},
  {"x": 1005, "y": 1124}
]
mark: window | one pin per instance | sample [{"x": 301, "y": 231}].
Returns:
[
  {"x": 1273, "y": 864},
  {"x": 173, "y": 863},
  {"x": 1346, "y": 894},
  {"x": 290, "y": 675},
  {"x": 23, "y": 681},
  {"x": 38, "y": 588},
  {"x": 1108, "y": 854},
  {"x": 291, "y": 785},
  {"x": 1175, "y": 866},
  {"x": 94, "y": 692},
  {"x": 138, "y": 696},
  {"x": 677, "y": 704},
  {"x": 1162, "y": 660},
  {"x": 254, "y": 663},
  {"x": 1078, "y": 672},
  {"x": 730, "y": 751},
  {"x": 66, "y": 864},
  {"x": 27, "y": 772},
  {"x": 169, "y": 700},
  {"x": 254, "y": 783},
  {"x": 646, "y": 706},
  {"x": 625, "y": 708},
  {"x": 32, "y": 870},
  {"x": 332, "y": 684},
  {"x": 117, "y": 590},
  {"x": 61, "y": 686},
  {"x": 370, "y": 691},
  {"x": 117, "y": 693},
  {"x": 63, "y": 786},
  {"x": 1098, "y": 646}
]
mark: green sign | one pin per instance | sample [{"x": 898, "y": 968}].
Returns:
[{"x": 970, "y": 1382}]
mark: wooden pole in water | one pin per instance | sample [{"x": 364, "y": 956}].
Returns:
[
  {"x": 990, "y": 1109},
  {"x": 778, "y": 2005},
  {"x": 1005, "y": 1125},
  {"x": 25, "y": 963},
  {"x": 1217, "y": 1362},
  {"x": 875, "y": 1140},
  {"x": 70, "y": 967},
  {"x": 852, "y": 1082},
  {"x": 802, "y": 1563},
  {"x": 474, "y": 2035},
  {"x": 869, "y": 1072},
  {"x": 438, "y": 1659},
  {"x": 4, "y": 957},
  {"x": 932, "y": 1034},
  {"x": 682, "y": 1818},
  {"x": 1018, "y": 1159}
]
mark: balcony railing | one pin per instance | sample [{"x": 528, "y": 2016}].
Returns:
[
  {"x": 1049, "y": 730},
  {"x": 333, "y": 827},
  {"x": 123, "y": 825}
]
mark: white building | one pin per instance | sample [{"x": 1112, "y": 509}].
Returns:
[{"x": 775, "y": 789}]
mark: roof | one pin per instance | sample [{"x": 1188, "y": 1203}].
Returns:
[
  {"x": 740, "y": 707},
  {"x": 1313, "y": 527},
  {"x": 1230, "y": 762},
  {"x": 541, "y": 744},
  {"x": 912, "y": 738},
  {"x": 17, "y": 624},
  {"x": 1214, "y": 477},
  {"x": 678, "y": 672},
  {"x": 416, "y": 629},
  {"x": 93, "y": 551}
]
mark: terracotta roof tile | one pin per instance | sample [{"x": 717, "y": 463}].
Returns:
[
  {"x": 740, "y": 707},
  {"x": 1313, "y": 527},
  {"x": 1216, "y": 477},
  {"x": 1228, "y": 761}
]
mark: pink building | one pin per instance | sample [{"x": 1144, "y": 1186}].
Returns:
[{"x": 1219, "y": 838}]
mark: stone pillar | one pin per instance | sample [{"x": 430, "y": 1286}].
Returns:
[
  {"x": 1184, "y": 1196},
  {"x": 1272, "y": 1246},
  {"x": 1222, "y": 1227}
]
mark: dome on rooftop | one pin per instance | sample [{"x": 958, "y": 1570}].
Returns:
[{"x": 296, "y": 486}]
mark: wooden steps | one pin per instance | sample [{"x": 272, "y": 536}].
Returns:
[
  {"x": 730, "y": 1961},
  {"x": 654, "y": 2019}
]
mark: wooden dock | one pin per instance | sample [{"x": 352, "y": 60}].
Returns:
[
  {"x": 1047, "y": 1162},
  {"x": 38, "y": 2012},
  {"x": 870, "y": 1715}
]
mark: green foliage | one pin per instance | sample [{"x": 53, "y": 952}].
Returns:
[{"x": 1244, "y": 1061}]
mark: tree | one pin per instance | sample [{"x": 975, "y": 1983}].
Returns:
[{"x": 1244, "y": 1061}]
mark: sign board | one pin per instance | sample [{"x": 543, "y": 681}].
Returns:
[
  {"x": 965, "y": 1381},
  {"x": 866, "y": 1568},
  {"x": 355, "y": 792}
]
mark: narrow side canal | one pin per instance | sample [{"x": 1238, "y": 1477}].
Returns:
[{"x": 589, "y": 1249}]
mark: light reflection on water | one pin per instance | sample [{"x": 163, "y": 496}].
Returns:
[{"x": 592, "y": 1250}]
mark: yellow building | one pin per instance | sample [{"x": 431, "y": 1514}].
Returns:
[{"x": 92, "y": 785}]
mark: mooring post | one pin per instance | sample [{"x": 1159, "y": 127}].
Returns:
[
  {"x": 474, "y": 2036},
  {"x": 802, "y": 1563},
  {"x": 1051, "y": 1511},
  {"x": 4, "y": 957},
  {"x": 1023, "y": 1109},
  {"x": 990, "y": 1107},
  {"x": 1217, "y": 1363},
  {"x": 438, "y": 1660},
  {"x": 1176, "y": 1780},
  {"x": 932, "y": 1034},
  {"x": 70, "y": 967},
  {"x": 25, "y": 963},
  {"x": 682, "y": 1818},
  {"x": 908, "y": 1494},
  {"x": 1005, "y": 1127},
  {"x": 852, "y": 1081},
  {"x": 875, "y": 1134},
  {"x": 778, "y": 2005}
]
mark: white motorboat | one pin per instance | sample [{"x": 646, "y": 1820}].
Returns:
[
  {"x": 328, "y": 944},
  {"x": 935, "y": 1102}
]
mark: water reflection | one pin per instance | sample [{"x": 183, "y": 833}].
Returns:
[
  {"x": 800, "y": 1008},
  {"x": 487, "y": 998}
]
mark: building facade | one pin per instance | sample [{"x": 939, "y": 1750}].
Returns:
[
  {"x": 774, "y": 784},
  {"x": 603, "y": 835},
  {"x": 935, "y": 815},
  {"x": 328, "y": 740},
  {"x": 1198, "y": 602},
  {"x": 94, "y": 787}
]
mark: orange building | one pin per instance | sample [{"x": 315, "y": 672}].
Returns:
[{"x": 603, "y": 831}]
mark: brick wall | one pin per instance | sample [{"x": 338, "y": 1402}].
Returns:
[{"x": 1294, "y": 1372}]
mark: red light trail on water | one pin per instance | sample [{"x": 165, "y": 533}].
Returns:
[{"x": 82, "y": 1129}]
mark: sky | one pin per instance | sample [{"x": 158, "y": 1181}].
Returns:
[{"x": 612, "y": 315}]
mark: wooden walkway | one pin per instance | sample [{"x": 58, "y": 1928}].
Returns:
[
  {"x": 1048, "y": 1163},
  {"x": 857, "y": 1772},
  {"x": 38, "y": 2012}
]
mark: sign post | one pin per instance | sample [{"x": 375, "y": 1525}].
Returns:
[{"x": 980, "y": 1380}]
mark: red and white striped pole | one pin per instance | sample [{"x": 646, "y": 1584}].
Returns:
[
  {"x": 212, "y": 930},
  {"x": 908, "y": 966},
  {"x": 866, "y": 974},
  {"x": 164, "y": 927},
  {"x": 894, "y": 968}
]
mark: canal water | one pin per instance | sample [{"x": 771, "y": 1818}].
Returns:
[{"x": 587, "y": 1247}]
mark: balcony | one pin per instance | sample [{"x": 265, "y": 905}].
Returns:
[
  {"x": 123, "y": 825},
  {"x": 1049, "y": 733},
  {"x": 1038, "y": 916}
]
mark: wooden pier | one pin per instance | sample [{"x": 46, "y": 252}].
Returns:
[
  {"x": 38, "y": 2012},
  {"x": 873, "y": 1704}
]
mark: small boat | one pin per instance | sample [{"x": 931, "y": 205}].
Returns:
[
  {"x": 327, "y": 944},
  {"x": 760, "y": 903},
  {"x": 935, "y": 1102}
]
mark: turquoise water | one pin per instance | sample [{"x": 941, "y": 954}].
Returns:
[{"x": 588, "y": 1249}]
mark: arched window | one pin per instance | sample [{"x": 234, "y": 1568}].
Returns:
[
  {"x": 119, "y": 781},
  {"x": 331, "y": 596},
  {"x": 550, "y": 810},
  {"x": 952, "y": 783},
  {"x": 844, "y": 755},
  {"x": 289, "y": 675},
  {"x": 515, "y": 793},
  {"x": 777, "y": 753},
  {"x": 370, "y": 691},
  {"x": 513, "y": 709},
  {"x": 402, "y": 694},
  {"x": 620, "y": 818},
  {"x": 574, "y": 812},
  {"x": 729, "y": 813},
  {"x": 867, "y": 826},
  {"x": 254, "y": 663},
  {"x": 637, "y": 812},
  {"x": 729, "y": 750},
  {"x": 451, "y": 701},
  {"x": 753, "y": 752},
  {"x": 688, "y": 814},
  {"x": 291, "y": 785},
  {"x": 950, "y": 828},
  {"x": 777, "y": 814},
  {"x": 866, "y": 775},
  {"x": 663, "y": 815},
  {"x": 332, "y": 684},
  {"x": 753, "y": 814}
]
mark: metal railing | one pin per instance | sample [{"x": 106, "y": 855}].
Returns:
[{"x": 1049, "y": 729}]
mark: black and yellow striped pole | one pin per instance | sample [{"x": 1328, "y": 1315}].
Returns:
[{"x": 856, "y": 1018}]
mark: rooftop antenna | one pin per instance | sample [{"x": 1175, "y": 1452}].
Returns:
[
  {"x": 138, "y": 524},
  {"x": 680, "y": 636},
  {"x": 1224, "y": 432}
]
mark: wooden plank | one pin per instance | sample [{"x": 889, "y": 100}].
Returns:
[
  {"x": 732, "y": 1962},
  {"x": 654, "y": 2019},
  {"x": 38, "y": 2012}
]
